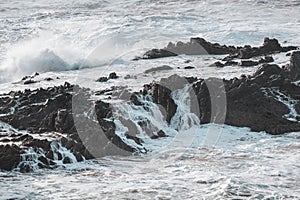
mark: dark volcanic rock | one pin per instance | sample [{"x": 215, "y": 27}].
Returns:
[
  {"x": 157, "y": 69},
  {"x": 10, "y": 156},
  {"x": 269, "y": 46},
  {"x": 158, "y": 53},
  {"x": 30, "y": 81},
  {"x": 254, "y": 101},
  {"x": 266, "y": 59},
  {"x": 58, "y": 109},
  {"x": 113, "y": 75},
  {"x": 162, "y": 93},
  {"x": 196, "y": 46},
  {"x": 248, "y": 63},
  {"x": 102, "y": 79},
  {"x": 199, "y": 46},
  {"x": 189, "y": 67},
  {"x": 294, "y": 67}
]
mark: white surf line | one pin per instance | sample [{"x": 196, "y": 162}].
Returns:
[
  {"x": 286, "y": 100},
  {"x": 297, "y": 83}
]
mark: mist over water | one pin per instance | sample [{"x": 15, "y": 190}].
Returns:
[{"x": 82, "y": 40}]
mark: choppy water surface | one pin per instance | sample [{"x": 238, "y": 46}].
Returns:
[
  {"x": 243, "y": 165},
  {"x": 57, "y": 37}
]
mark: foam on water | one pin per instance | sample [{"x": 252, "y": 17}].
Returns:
[
  {"x": 286, "y": 100},
  {"x": 71, "y": 31},
  {"x": 56, "y": 37},
  {"x": 244, "y": 165}
]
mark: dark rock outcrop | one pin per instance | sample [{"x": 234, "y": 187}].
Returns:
[
  {"x": 294, "y": 67},
  {"x": 248, "y": 63},
  {"x": 158, "y": 53},
  {"x": 112, "y": 75},
  {"x": 62, "y": 110},
  {"x": 259, "y": 101},
  {"x": 199, "y": 46},
  {"x": 10, "y": 156},
  {"x": 196, "y": 46},
  {"x": 64, "y": 118},
  {"x": 162, "y": 93}
]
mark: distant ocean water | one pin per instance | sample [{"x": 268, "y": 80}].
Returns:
[{"x": 81, "y": 40}]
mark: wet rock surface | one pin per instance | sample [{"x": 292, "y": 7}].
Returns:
[
  {"x": 44, "y": 128},
  {"x": 112, "y": 75},
  {"x": 47, "y": 117},
  {"x": 199, "y": 46},
  {"x": 263, "y": 101}
]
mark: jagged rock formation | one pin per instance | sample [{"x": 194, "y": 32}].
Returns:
[
  {"x": 50, "y": 112},
  {"x": 199, "y": 46},
  {"x": 63, "y": 125},
  {"x": 268, "y": 100}
]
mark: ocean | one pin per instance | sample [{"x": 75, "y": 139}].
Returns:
[{"x": 79, "y": 41}]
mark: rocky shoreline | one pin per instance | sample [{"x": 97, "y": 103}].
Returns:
[
  {"x": 268, "y": 100},
  {"x": 199, "y": 46}
]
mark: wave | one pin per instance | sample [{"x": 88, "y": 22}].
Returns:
[
  {"x": 52, "y": 53},
  {"x": 42, "y": 54}
]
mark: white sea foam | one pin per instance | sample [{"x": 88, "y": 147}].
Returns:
[{"x": 56, "y": 37}]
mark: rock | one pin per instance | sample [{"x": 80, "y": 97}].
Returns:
[
  {"x": 48, "y": 79},
  {"x": 199, "y": 46},
  {"x": 113, "y": 75},
  {"x": 50, "y": 111},
  {"x": 153, "y": 137},
  {"x": 102, "y": 79},
  {"x": 196, "y": 46},
  {"x": 127, "y": 76},
  {"x": 218, "y": 64},
  {"x": 161, "y": 133},
  {"x": 67, "y": 160},
  {"x": 231, "y": 63},
  {"x": 248, "y": 63},
  {"x": 158, "y": 53},
  {"x": 25, "y": 77},
  {"x": 251, "y": 101},
  {"x": 269, "y": 46},
  {"x": 64, "y": 122},
  {"x": 161, "y": 93},
  {"x": 30, "y": 81},
  {"x": 267, "y": 59},
  {"x": 10, "y": 156},
  {"x": 294, "y": 67},
  {"x": 157, "y": 69},
  {"x": 189, "y": 67}
]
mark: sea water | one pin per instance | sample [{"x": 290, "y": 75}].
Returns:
[{"x": 81, "y": 40}]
